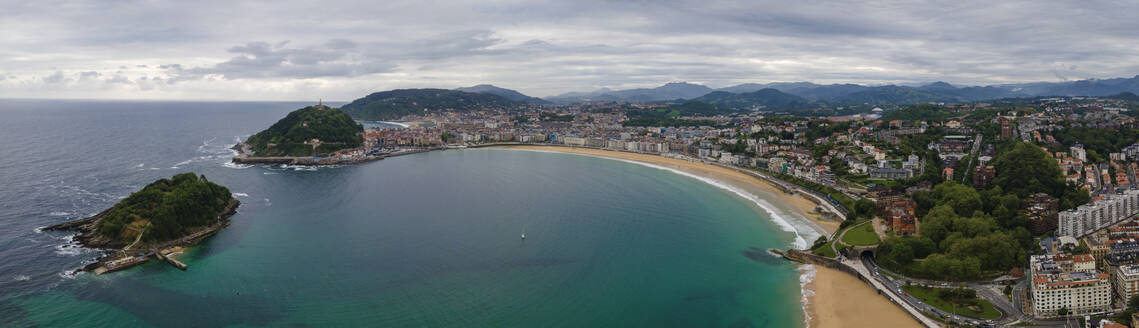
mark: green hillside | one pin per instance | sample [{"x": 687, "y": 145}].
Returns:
[
  {"x": 292, "y": 135},
  {"x": 390, "y": 105},
  {"x": 767, "y": 99}
]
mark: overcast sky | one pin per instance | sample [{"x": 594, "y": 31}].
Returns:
[{"x": 341, "y": 50}]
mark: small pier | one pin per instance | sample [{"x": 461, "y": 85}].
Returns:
[{"x": 165, "y": 256}]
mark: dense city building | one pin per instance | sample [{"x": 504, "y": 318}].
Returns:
[{"x": 1054, "y": 290}]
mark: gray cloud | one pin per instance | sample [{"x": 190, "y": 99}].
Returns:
[
  {"x": 257, "y": 60},
  {"x": 55, "y": 78},
  {"x": 342, "y": 49}
]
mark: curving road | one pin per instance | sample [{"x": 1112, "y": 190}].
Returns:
[{"x": 1011, "y": 313}]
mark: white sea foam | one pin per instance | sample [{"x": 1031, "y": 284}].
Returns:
[
  {"x": 205, "y": 144},
  {"x": 806, "y": 275},
  {"x": 59, "y": 213},
  {"x": 299, "y": 167},
  {"x": 402, "y": 125},
  {"x": 233, "y": 165},
  {"x": 268, "y": 173},
  {"x": 22, "y": 278},
  {"x": 68, "y": 249},
  {"x": 182, "y": 163},
  {"x": 268, "y": 203},
  {"x": 241, "y": 194},
  {"x": 140, "y": 165}
]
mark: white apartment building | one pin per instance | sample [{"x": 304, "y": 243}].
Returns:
[
  {"x": 574, "y": 141},
  {"x": 1100, "y": 214},
  {"x": 1127, "y": 281},
  {"x": 1054, "y": 289}
]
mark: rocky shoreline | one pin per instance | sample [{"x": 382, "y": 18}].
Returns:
[
  {"x": 117, "y": 258},
  {"x": 245, "y": 156}
]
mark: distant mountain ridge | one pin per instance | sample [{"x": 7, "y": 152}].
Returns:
[
  {"x": 390, "y": 105},
  {"x": 669, "y": 91},
  {"x": 777, "y": 96},
  {"x": 767, "y": 98},
  {"x": 845, "y": 94},
  {"x": 503, "y": 92}
]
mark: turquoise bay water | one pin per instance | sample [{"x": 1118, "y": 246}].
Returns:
[{"x": 429, "y": 240}]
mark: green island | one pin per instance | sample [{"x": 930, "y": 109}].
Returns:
[
  {"x": 156, "y": 221},
  {"x": 307, "y": 132}
]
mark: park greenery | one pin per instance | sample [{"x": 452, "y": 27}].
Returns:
[
  {"x": 862, "y": 235},
  {"x": 920, "y": 112},
  {"x": 965, "y": 233},
  {"x": 673, "y": 115},
  {"x": 166, "y": 209},
  {"x": 962, "y": 301},
  {"x": 292, "y": 135},
  {"x": 1098, "y": 142}
]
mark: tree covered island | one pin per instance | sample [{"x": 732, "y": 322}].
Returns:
[
  {"x": 167, "y": 213},
  {"x": 314, "y": 131}
]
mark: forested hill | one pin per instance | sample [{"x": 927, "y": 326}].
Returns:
[
  {"x": 293, "y": 135},
  {"x": 165, "y": 209},
  {"x": 768, "y": 99},
  {"x": 390, "y": 105}
]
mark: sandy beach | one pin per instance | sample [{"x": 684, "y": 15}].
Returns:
[{"x": 839, "y": 300}]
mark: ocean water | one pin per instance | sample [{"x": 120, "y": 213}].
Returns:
[{"x": 422, "y": 240}]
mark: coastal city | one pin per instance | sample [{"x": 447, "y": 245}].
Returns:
[
  {"x": 906, "y": 187},
  {"x": 682, "y": 163}
]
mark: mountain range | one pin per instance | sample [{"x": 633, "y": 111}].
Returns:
[
  {"x": 778, "y": 96},
  {"x": 844, "y": 94}
]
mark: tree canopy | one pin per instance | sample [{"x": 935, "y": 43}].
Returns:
[
  {"x": 1024, "y": 169},
  {"x": 963, "y": 235},
  {"x": 165, "y": 208},
  {"x": 389, "y": 105},
  {"x": 288, "y": 136}
]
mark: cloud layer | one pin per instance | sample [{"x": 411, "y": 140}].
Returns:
[{"x": 345, "y": 49}]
